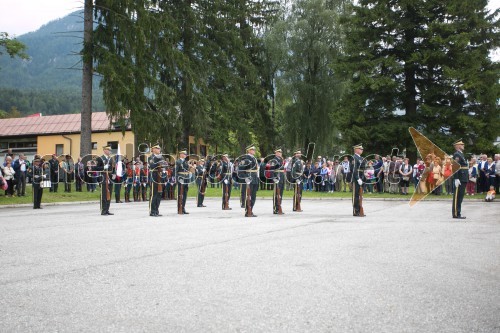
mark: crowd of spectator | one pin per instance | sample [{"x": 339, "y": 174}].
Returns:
[{"x": 394, "y": 175}]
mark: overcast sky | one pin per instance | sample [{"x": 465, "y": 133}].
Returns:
[
  {"x": 21, "y": 16},
  {"x": 18, "y": 17}
]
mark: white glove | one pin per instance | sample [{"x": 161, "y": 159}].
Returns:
[
  {"x": 204, "y": 169},
  {"x": 457, "y": 182},
  {"x": 225, "y": 181},
  {"x": 360, "y": 182},
  {"x": 113, "y": 177},
  {"x": 106, "y": 167}
]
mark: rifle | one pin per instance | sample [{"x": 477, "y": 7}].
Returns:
[
  {"x": 298, "y": 197},
  {"x": 106, "y": 180},
  {"x": 226, "y": 197},
  {"x": 181, "y": 197},
  {"x": 158, "y": 178},
  {"x": 278, "y": 195},
  {"x": 248, "y": 202},
  {"x": 108, "y": 195},
  {"x": 361, "y": 210},
  {"x": 203, "y": 185}
]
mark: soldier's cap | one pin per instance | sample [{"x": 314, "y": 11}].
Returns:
[
  {"x": 298, "y": 151},
  {"x": 106, "y": 148},
  {"x": 358, "y": 146},
  {"x": 278, "y": 150},
  {"x": 319, "y": 156},
  {"x": 157, "y": 146},
  {"x": 137, "y": 162},
  {"x": 36, "y": 160},
  {"x": 202, "y": 160},
  {"x": 458, "y": 142},
  {"x": 225, "y": 155},
  {"x": 251, "y": 147},
  {"x": 183, "y": 151}
]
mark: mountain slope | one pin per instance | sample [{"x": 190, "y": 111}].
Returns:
[
  {"x": 54, "y": 69},
  {"x": 54, "y": 51}
]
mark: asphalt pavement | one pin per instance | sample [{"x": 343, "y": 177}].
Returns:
[{"x": 66, "y": 268}]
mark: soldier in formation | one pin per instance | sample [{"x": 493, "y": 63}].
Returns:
[
  {"x": 156, "y": 164},
  {"x": 182, "y": 177},
  {"x": 460, "y": 179},
  {"x": 357, "y": 176},
  {"x": 226, "y": 178},
  {"x": 104, "y": 165}
]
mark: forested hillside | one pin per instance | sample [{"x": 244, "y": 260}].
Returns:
[{"x": 50, "y": 81}]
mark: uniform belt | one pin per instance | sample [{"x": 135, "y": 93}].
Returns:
[
  {"x": 229, "y": 174},
  {"x": 183, "y": 173},
  {"x": 464, "y": 168},
  {"x": 250, "y": 170},
  {"x": 279, "y": 170}
]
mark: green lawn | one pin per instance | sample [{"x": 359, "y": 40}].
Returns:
[{"x": 61, "y": 196}]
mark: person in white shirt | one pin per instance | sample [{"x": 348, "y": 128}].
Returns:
[
  {"x": 346, "y": 172},
  {"x": 9, "y": 174},
  {"x": 482, "y": 186}
]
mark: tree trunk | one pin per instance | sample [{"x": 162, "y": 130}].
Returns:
[{"x": 86, "y": 116}]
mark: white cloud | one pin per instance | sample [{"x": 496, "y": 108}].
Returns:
[{"x": 19, "y": 17}]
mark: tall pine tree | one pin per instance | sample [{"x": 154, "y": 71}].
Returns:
[
  {"x": 420, "y": 63},
  {"x": 183, "y": 68}
]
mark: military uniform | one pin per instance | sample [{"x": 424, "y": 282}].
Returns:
[
  {"x": 297, "y": 177},
  {"x": 357, "y": 174},
  {"x": 118, "y": 181},
  {"x": 182, "y": 178},
  {"x": 69, "y": 173},
  {"x": 227, "y": 181},
  {"x": 136, "y": 181},
  {"x": 200, "y": 180},
  {"x": 278, "y": 172},
  {"x": 38, "y": 177},
  {"x": 156, "y": 163},
  {"x": 54, "y": 173},
  {"x": 144, "y": 183},
  {"x": 129, "y": 181},
  {"x": 462, "y": 175},
  {"x": 248, "y": 169},
  {"x": 104, "y": 166}
]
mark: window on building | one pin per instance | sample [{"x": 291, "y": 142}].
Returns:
[
  {"x": 192, "y": 148},
  {"x": 94, "y": 145},
  {"x": 114, "y": 146},
  {"x": 203, "y": 150},
  {"x": 59, "y": 149}
]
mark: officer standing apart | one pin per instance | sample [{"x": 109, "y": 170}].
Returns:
[
  {"x": 54, "y": 173},
  {"x": 296, "y": 175},
  {"x": 200, "y": 179},
  {"x": 226, "y": 172},
  {"x": 104, "y": 165},
  {"x": 156, "y": 166},
  {"x": 38, "y": 177},
  {"x": 248, "y": 169},
  {"x": 182, "y": 177},
  {"x": 460, "y": 179},
  {"x": 357, "y": 178},
  {"x": 277, "y": 167}
]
